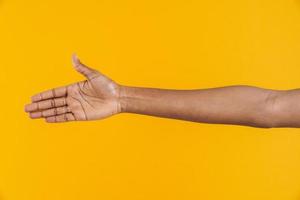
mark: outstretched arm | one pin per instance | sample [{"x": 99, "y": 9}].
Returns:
[
  {"x": 99, "y": 97},
  {"x": 240, "y": 105}
]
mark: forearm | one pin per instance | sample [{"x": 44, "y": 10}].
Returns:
[{"x": 240, "y": 105}]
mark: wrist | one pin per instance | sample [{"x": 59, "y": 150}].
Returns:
[{"x": 123, "y": 100}]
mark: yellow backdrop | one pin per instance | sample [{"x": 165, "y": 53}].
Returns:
[{"x": 168, "y": 44}]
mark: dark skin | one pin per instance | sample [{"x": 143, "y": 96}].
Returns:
[
  {"x": 99, "y": 97},
  {"x": 91, "y": 99}
]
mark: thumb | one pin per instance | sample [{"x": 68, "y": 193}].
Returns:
[{"x": 86, "y": 71}]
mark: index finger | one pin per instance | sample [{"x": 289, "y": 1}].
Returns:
[{"x": 49, "y": 94}]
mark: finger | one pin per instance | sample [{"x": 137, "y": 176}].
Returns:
[
  {"x": 46, "y": 104},
  {"x": 88, "y": 72},
  {"x": 49, "y": 94},
  {"x": 50, "y": 112},
  {"x": 61, "y": 118}
]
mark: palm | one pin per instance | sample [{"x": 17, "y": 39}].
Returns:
[{"x": 94, "y": 98}]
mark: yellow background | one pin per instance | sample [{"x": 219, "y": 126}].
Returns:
[{"x": 168, "y": 44}]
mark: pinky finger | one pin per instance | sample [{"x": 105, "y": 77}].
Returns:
[{"x": 67, "y": 117}]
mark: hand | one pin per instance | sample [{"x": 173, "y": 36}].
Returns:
[{"x": 95, "y": 98}]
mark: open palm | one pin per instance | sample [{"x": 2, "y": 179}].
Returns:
[{"x": 95, "y": 98}]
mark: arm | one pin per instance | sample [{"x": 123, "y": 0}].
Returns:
[
  {"x": 99, "y": 97},
  {"x": 240, "y": 105},
  {"x": 285, "y": 106}
]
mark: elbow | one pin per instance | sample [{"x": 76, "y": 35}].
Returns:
[
  {"x": 265, "y": 124},
  {"x": 272, "y": 110},
  {"x": 269, "y": 125},
  {"x": 268, "y": 113}
]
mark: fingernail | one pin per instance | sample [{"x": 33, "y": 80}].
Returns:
[{"x": 74, "y": 58}]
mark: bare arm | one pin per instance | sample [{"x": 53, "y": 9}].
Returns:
[
  {"x": 240, "y": 105},
  {"x": 285, "y": 106},
  {"x": 99, "y": 97}
]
